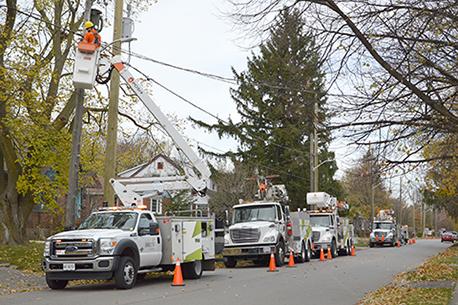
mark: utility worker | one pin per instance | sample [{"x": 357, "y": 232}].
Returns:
[{"x": 92, "y": 36}]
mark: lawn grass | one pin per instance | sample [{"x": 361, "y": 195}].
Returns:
[
  {"x": 412, "y": 296},
  {"x": 25, "y": 257},
  {"x": 442, "y": 267}
]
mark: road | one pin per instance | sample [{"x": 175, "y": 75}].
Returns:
[{"x": 343, "y": 280}]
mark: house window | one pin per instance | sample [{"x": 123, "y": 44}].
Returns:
[
  {"x": 156, "y": 206},
  {"x": 160, "y": 165}
]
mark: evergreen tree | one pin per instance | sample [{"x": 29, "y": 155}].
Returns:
[{"x": 275, "y": 99}]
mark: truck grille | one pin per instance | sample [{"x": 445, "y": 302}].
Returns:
[
  {"x": 315, "y": 236},
  {"x": 245, "y": 235},
  {"x": 73, "y": 248}
]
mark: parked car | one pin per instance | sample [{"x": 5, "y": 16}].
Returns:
[{"x": 449, "y": 236}]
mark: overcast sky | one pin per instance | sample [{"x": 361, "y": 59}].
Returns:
[{"x": 194, "y": 34}]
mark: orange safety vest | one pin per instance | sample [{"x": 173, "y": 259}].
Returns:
[{"x": 92, "y": 36}]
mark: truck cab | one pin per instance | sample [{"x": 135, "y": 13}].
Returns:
[
  {"x": 121, "y": 243},
  {"x": 385, "y": 230},
  {"x": 329, "y": 230},
  {"x": 260, "y": 229}
]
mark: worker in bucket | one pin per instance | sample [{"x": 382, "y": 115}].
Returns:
[{"x": 92, "y": 36}]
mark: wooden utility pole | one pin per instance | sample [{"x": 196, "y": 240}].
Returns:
[
  {"x": 313, "y": 158},
  {"x": 77, "y": 126},
  {"x": 112, "y": 128}
]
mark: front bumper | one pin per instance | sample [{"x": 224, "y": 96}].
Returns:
[
  {"x": 317, "y": 246},
  {"x": 380, "y": 242},
  {"x": 101, "y": 267},
  {"x": 248, "y": 251}
]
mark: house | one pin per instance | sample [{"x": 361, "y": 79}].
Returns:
[{"x": 159, "y": 166}]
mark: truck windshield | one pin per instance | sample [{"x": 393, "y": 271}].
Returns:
[
  {"x": 254, "y": 213},
  {"x": 120, "y": 220},
  {"x": 383, "y": 225},
  {"x": 320, "y": 220}
]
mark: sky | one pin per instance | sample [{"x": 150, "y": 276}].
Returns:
[{"x": 197, "y": 35}]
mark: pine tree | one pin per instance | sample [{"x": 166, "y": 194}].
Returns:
[{"x": 275, "y": 99}]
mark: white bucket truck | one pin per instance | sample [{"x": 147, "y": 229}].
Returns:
[
  {"x": 123, "y": 242},
  {"x": 329, "y": 230},
  {"x": 264, "y": 227}
]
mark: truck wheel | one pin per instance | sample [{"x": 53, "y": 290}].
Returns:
[
  {"x": 303, "y": 255},
  {"x": 371, "y": 245},
  {"x": 333, "y": 249},
  {"x": 230, "y": 262},
  {"x": 192, "y": 270},
  {"x": 126, "y": 274},
  {"x": 56, "y": 284},
  {"x": 280, "y": 254},
  {"x": 308, "y": 255}
]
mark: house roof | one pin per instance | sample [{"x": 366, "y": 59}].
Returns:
[{"x": 139, "y": 168}]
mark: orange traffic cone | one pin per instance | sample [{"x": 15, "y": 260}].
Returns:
[
  {"x": 398, "y": 244},
  {"x": 383, "y": 238},
  {"x": 414, "y": 241},
  {"x": 409, "y": 241},
  {"x": 177, "y": 275},
  {"x": 321, "y": 255},
  {"x": 353, "y": 251},
  {"x": 291, "y": 259},
  {"x": 329, "y": 255},
  {"x": 272, "y": 267}
]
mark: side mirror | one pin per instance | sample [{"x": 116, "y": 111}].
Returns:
[
  {"x": 226, "y": 218},
  {"x": 154, "y": 228}
]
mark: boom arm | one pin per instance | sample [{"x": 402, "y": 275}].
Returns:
[{"x": 200, "y": 182}]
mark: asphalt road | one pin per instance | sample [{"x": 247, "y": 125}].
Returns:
[{"x": 343, "y": 280}]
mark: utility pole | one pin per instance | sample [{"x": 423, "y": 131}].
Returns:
[
  {"x": 112, "y": 128},
  {"x": 371, "y": 169},
  {"x": 70, "y": 206},
  {"x": 413, "y": 211},
  {"x": 314, "y": 151},
  {"x": 400, "y": 200}
]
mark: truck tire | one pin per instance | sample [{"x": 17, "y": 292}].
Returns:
[
  {"x": 230, "y": 262},
  {"x": 308, "y": 255},
  {"x": 126, "y": 275},
  {"x": 280, "y": 254},
  {"x": 302, "y": 258},
  {"x": 371, "y": 245},
  {"x": 56, "y": 284},
  {"x": 334, "y": 249},
  {"x": 192, "y": 270}
]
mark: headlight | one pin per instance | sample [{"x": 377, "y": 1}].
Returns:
[
  {"x": 47, "y": 249},
  {"x": 269, "y": 239},
  {"x": 107, "y": 246}
]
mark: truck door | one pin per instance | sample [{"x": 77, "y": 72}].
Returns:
[
  {"x": 281, "y": 221},
  {"x": 149, "y": 245}
]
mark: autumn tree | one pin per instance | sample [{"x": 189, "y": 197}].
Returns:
[{"x": 392, "y": 66}]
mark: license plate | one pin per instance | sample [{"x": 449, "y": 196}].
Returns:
[
  {"x": 266, "y": 249},
  {"x": 69, "y": 267},
  {"x": 232, "y": 251}
]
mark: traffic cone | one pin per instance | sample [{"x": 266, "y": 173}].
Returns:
[
  {"x": 414, "y": 241},
  {"x": 272, "y": 267},
  {"x": 409, "y": 241},
  {"x": 398, "y": 244},
  {"x": 383, "y": 238},
  {"x": 291, "y": 259},
  {"x": 353, "y": 251},
  {"x": 321, "y": 255},
  {"x": 177, "y": 275},
  {"x": 329, "y": 255}
]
